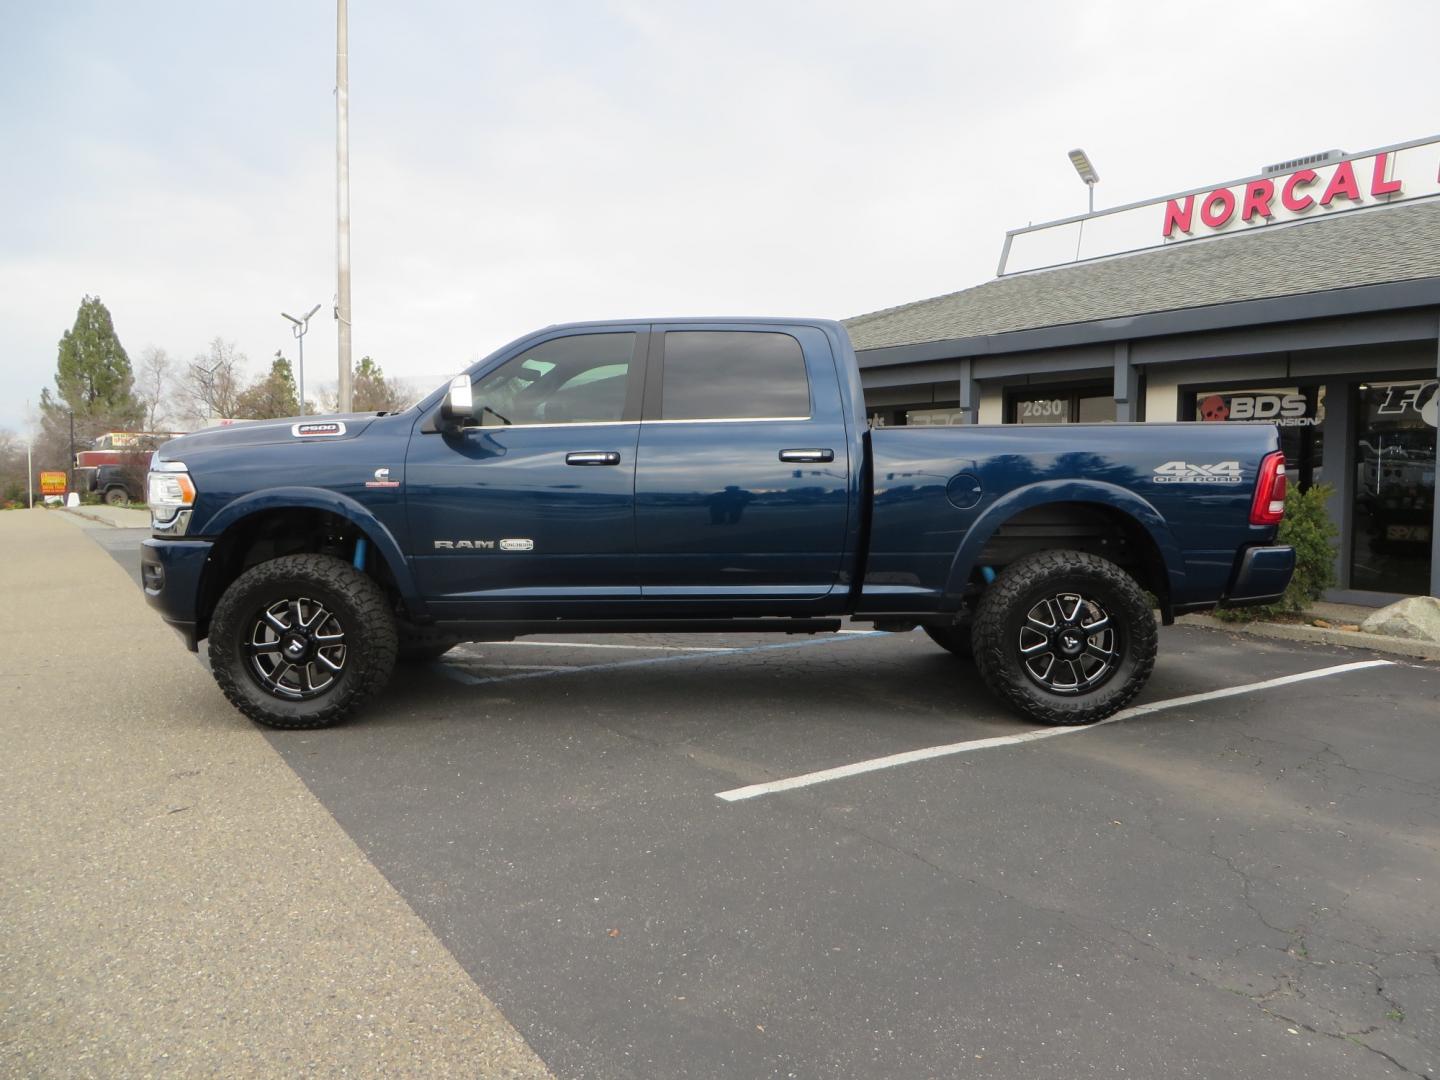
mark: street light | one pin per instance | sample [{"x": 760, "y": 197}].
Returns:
[
  {"x": 301, "y": 325},
  {"x": 1087, "y": 172}
]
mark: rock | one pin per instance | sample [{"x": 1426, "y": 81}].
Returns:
[
  {"x": 1417, "y": 618},
  {"x": 1322, "y": 623}
]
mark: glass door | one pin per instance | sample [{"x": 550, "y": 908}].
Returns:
[{"x": 1394, "y": 508}]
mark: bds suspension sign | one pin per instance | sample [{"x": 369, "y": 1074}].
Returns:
[
  {"x": 52, "y": 483},
  {"x": 1300, "y": 192}
]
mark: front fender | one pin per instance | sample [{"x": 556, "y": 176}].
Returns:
[
  {"x": 306, "y": 498},
  {"x": 1094, "y": 492}
]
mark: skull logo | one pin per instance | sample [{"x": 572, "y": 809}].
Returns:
[{"x": 1214, "y": 408}]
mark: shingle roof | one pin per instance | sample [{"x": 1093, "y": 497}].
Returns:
[{"x": 1366, "y": 247}]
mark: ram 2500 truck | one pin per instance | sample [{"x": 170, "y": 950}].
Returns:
[{"x": 697, "y": 475}]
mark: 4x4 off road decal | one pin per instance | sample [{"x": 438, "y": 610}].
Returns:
[
  {"x": 316, "y": 429},
  {"x": 1184, "y": 472}
]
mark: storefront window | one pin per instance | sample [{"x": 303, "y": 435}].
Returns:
[
  {"x": 1062, "y": 407},
  {"x": 1394, "y": 510},
  {"x": 933, "y": 417},
  {"x": 1299, "y": 412}
]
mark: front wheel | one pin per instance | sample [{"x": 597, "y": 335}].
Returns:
[
  {"x": 301, "y": 641},
  {"x": 1065, "y": 637}
]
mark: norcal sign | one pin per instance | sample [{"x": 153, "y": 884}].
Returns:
[{"x": 1304, "y": 192}]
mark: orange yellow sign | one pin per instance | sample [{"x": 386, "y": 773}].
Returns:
[{"x": 52, "y": 483}]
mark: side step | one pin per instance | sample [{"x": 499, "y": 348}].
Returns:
[{"x": 521, "y": 627}]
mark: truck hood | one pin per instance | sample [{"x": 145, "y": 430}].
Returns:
[{"x": 335, "y": 427}]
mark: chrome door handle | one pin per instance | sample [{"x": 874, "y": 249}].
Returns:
[
  {"x": 807, "y": 455},
  {"x": 593, "y": 457}
]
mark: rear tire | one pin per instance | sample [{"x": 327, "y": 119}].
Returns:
[
  {"x": 1065, "y": 637},
  {"x": 302, "y": 641},
  {"x": 116, "y": 496}
]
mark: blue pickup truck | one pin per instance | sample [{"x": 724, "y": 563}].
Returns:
[{"x": 697, "y": 475}]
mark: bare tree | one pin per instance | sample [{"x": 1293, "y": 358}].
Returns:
[
  {"x": 153, "y": 380},
  {"x": 213, "y": 382}
]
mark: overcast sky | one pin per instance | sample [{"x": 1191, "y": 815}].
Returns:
[{"x": 515, "y": 165}]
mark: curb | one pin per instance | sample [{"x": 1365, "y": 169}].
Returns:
[{"x": 1316, "y": 635}]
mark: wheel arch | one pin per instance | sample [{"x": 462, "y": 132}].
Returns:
[
  {"x": 1006, "y": 530},
  {"x": 285, "y": 521}
]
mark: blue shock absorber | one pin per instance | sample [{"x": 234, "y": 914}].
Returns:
[
  {"x": 360, "y": 554},
  {"x": 986, "y": 572}
]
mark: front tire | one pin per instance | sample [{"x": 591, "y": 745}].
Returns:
[
  {"x": 302, "y": 641},
  {"x": 1065, "y": 637}
]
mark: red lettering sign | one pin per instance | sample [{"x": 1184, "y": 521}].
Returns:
[
  {"x": 1178, "y": 217},
  {"x": 1342, "y": 183},
  {"x": 1378, "y": 184},
  {"x": 1258, "y": 194},
  {"x": 1288, "y": 198},
  {"x": 1224, "y": 200}
]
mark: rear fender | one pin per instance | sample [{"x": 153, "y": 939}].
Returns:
[{"x": 1094, "y": 492}]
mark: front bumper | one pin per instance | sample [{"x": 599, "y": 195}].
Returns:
[
  {"x": 170, "y": 573},
  {"x": 1261, "y": 576}
]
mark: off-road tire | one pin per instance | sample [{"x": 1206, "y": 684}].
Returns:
[
  {"x": 422, "y": 644},
  {"x": 116, "y": 496},
  {"x": 1003, "y": 610},
  {"x": 355, "y": 599},
  {"x": 954, "y": 639}
]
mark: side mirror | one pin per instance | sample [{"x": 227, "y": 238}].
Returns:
[{"x": 459, "y": 404}]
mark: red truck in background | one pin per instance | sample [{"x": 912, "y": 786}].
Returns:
[{"x": 117, "y": 464}]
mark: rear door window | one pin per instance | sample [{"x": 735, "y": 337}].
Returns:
[{"x": 733, "y": 375}]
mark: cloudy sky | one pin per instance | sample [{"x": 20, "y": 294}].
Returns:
[{"x": 515, "y": 165}]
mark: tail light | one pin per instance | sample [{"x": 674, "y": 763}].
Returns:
[{"x": 1269, "y": 505}]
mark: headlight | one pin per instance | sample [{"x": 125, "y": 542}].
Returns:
[{"x": 169, "y": 491}]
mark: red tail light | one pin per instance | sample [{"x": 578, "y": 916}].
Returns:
[{"x": 1269, "y": 505}]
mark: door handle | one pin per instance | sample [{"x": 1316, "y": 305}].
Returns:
[
  {"x": 807, "y": 455},
  {"x": 593, "y": 457}
]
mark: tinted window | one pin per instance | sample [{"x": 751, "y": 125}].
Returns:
[
  {"x": 718, "y": 375},
  {"x": 567, "y": 380}
]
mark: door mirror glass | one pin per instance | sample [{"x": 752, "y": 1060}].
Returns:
[{"x": 459, "y": 404}]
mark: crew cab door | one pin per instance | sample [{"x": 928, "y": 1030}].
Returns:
[
  {"x": 743, "y": 466},
  {"x": 535, "y": 502}
]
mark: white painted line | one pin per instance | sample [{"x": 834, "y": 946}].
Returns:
[
  {"x": 465, "y": 678},
  {"x": 593, "y": 645},
  {"x": 925, "y": 754}
]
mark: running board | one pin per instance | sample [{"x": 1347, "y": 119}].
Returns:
[{"x": 521, "y": 627}]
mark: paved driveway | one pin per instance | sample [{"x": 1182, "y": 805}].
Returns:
[{"x": 1238, "y": 884}]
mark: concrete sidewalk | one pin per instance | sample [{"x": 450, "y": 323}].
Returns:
[
  {"x": 1337, "y": 615},
  {"x": 120, "y": 517},
  {"x": 175, "y": 899}
]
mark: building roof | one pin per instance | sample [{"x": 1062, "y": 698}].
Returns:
[{"x": 1364, "y": 247}]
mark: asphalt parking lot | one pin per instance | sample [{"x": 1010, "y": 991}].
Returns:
[{"x": 1232, "y": 886}]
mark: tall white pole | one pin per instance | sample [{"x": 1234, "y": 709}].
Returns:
[
  {"x": 30, "y": 471},
  {"x": 342, "y": 200}
]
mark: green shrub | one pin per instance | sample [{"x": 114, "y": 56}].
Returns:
[{"x": 1308, "y": 529}]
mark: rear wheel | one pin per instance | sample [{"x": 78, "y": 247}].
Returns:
[
  {"x": 301, "y": 641},
  {"x": 116, "y": 496},
  {"x": 1065, "y": 637}
]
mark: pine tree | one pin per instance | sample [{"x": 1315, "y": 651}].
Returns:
[
  {"x": 93, "y": 380},
  {"x": 273, "y": 395},
  {"x": 373, "y": 392}
]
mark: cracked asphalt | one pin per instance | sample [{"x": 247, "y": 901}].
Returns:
[{"x": 1239, "y": 887}]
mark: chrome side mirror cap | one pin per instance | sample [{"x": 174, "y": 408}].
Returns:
[{"x": 459, "y": 404}]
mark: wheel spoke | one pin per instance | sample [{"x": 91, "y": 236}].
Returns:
[
  {"x": 1032, "y": 650},
  {"x": 1069, "y": 616},
  {"x": 274, "y": 623},
  {"x": 1101, "y": 623},
  {"x": 262, "y": 648},
  {"x": 317, "y": 618},
  {"x": 331, "y": 664}
]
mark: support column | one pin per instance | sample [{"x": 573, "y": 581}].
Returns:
[
  {"x": 1435, "y": 517},
  {"x": 969, "y": 393},
  {"x": 1127, "y": 388},
  {"x": 1339, "y": 471}
]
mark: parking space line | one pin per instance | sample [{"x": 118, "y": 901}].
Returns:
[
  {"x": 466, "y": 679},
  {"x": 926, "y": 753}
]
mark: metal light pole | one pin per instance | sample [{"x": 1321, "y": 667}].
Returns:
[
  {"x": 342, "y": 200},
  {"x": 299, "y": 329},
  {"x": 30, "y": 470},
  {"x": 1087, "y": 172}
]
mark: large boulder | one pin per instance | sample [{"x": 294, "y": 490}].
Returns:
[{"x": 1417, "y": 618}]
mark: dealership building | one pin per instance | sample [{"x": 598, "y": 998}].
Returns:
[{"x": 1307, "y": 296}]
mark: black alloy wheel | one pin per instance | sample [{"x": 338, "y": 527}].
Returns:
[
  {"x": 1065, "y": 637},
  {"x": 301, "y": 641}
]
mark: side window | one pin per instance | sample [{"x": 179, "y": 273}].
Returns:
[
  {"x": 724, "y": 375},
  {"x": 568, "y": 380}
]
